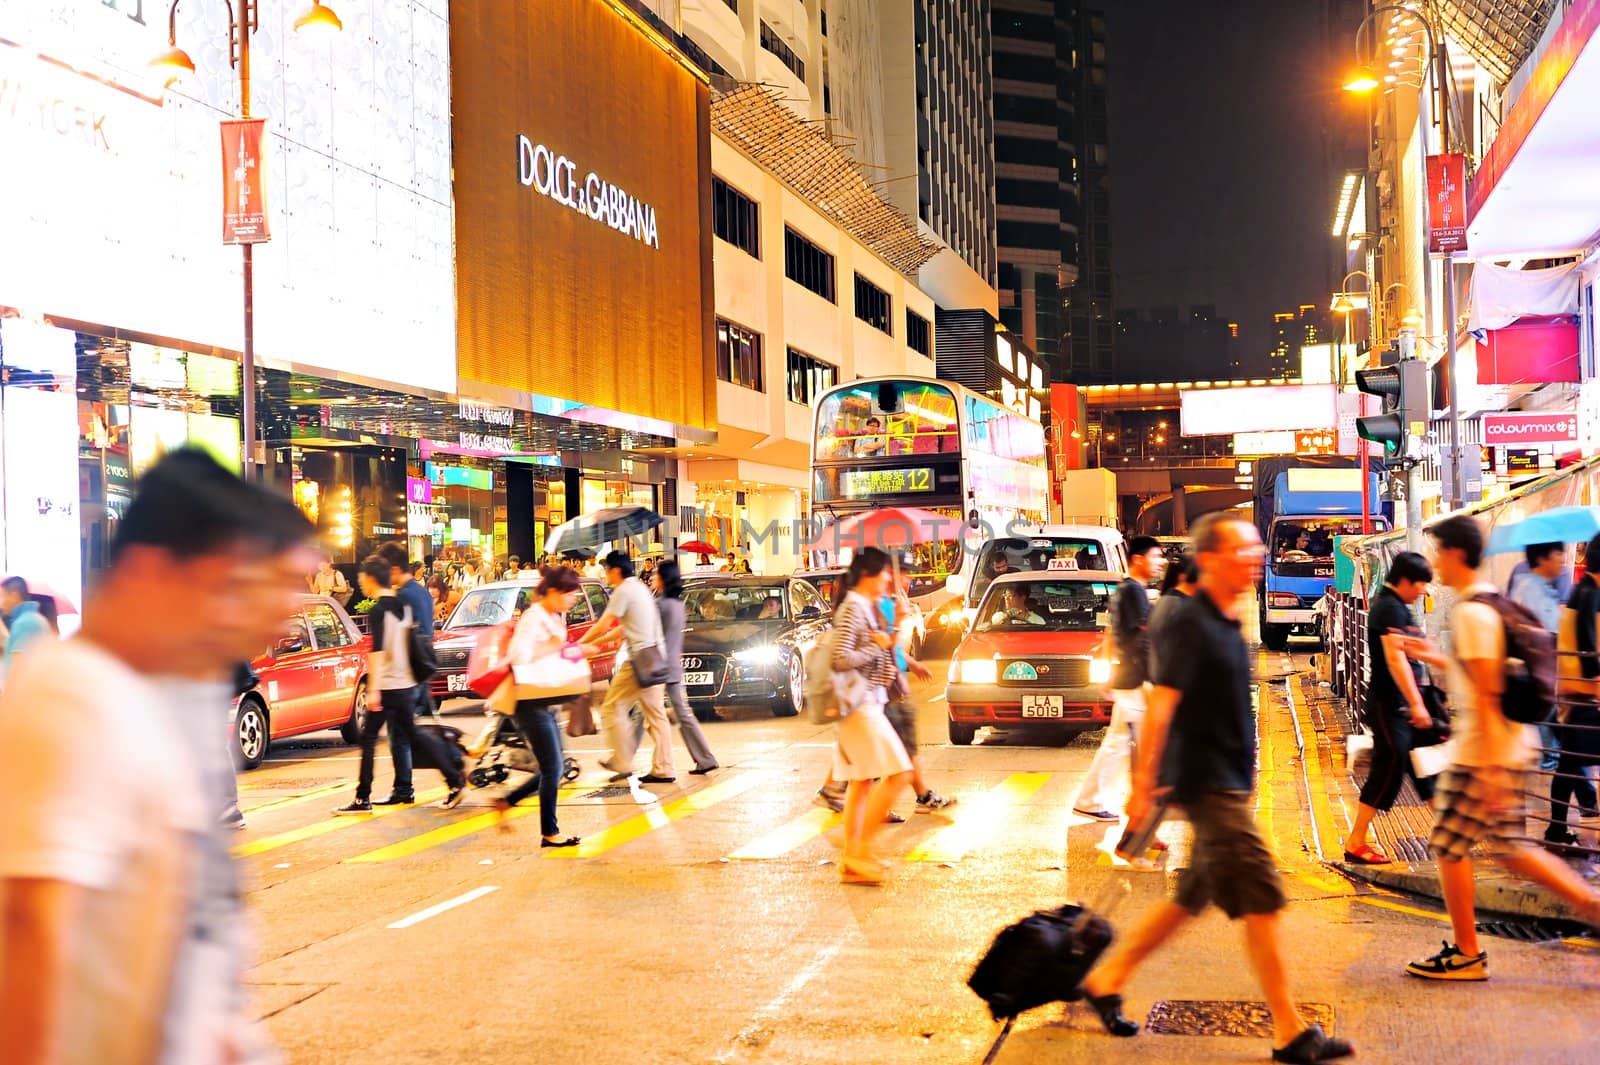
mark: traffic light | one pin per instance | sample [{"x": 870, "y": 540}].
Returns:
[{"x": 1404, "y": 389}]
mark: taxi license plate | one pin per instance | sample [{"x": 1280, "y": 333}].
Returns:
[
  {"x": 1042, "y": 706},
  {"x": 456, "y": 682},
  {"x": 705, "y": 679}
]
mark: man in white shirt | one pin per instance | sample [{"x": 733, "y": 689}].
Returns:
[
  {"x": 633, "y": 609},
  {"x": 1479, "y": 798},
  {"x": 122, "y": 926}
]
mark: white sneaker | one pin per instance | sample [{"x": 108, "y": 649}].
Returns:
[{"x": 1451, "y": 964}]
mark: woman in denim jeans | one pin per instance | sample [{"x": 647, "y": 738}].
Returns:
[{"x": 542, "y": 631}]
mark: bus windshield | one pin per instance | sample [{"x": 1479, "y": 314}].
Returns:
[{"x": 881, "y": 419}]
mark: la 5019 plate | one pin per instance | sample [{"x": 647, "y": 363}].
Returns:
[{"x": 1042, "y": 706}]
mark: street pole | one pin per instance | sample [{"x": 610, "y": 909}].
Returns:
[
  {"x": 1457, "y": 477},
  {"x": 247, "y": 356}
]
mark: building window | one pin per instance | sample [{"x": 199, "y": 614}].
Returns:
[
  {"x": 735, "y": 217},
  {"x": 739, "y": 356},
  {"x": 809, "y": 377},
  {"x": 919, "y": 334},
  {"x": 808, "y": 265},
  {"x": 872, "y": 305},
  {"x": 780, "y": 48}
]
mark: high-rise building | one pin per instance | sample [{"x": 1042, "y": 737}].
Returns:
[
  {"x": 1291, "y": 330},
  {"x": 1088, "y": 345},
  {"x": 1169, "y": 346},
  {"x": 1034, "y": 171},
  {"x": 938, "y": 136}
]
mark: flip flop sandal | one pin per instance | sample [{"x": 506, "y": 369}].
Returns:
[{"x": 1367, "y": 855}]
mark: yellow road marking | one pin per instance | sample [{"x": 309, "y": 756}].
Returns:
[
  {"x": 291, "y": 800},
  {"x": 786, "y": 838},
  {"x": 657, "y": 817},
  {"x": 977, "y": 819},
  {"x": 322, "y": 828},
  {"x": 456, "y": 829}
]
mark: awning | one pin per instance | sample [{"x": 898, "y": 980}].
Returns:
[{"x": 1533, "y": 196}]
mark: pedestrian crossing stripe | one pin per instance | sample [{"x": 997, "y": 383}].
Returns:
[
  {"x": 655, "y": 817},
  {"x": 782, "y": 840},
  {"x": 976, "y": 819},
  {"x": 457, "y": 829},
  {"x": 294, "y": 800},
  {"x": 322, "y": 828}
]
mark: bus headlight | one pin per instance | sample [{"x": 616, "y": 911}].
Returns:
[
  {"x": 1099, "y": 671},
  {"x": 980, "y": 671}
]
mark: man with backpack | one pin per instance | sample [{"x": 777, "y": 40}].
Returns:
[{"x": 1500, "y": 675}]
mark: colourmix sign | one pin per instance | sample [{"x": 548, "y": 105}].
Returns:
[{"x": 1515, "y": 427}]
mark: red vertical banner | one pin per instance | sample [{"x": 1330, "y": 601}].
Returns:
[
  {"x": 1447, "y": 203},
  {"x": 1066, "y": 430},
  {"x": 244, "y": 182}
]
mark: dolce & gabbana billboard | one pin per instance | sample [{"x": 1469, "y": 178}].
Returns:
[{"x": 582, "y": 192}]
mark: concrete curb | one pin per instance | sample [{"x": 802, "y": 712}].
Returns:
[{"x": 1502, "y": 895}]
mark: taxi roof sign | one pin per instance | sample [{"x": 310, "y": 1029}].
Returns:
[{"x": 1062, "y": 563}]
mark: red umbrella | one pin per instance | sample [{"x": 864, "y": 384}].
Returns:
[
  {"x": 697, "y": 547},
  {"x": 63, "y": 604},
  {"x": 890, "y": 529}
]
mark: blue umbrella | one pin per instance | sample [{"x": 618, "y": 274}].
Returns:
[{"x": 1559, "y": 525}]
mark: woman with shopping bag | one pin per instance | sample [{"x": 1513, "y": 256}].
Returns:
[
  {"x": 546, "y": 671},
  {"x": 869, "y": 756}
]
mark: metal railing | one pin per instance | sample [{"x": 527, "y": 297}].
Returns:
[{"x": 1350, "y": 664}]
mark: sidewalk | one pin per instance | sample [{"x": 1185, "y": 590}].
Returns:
[{"x": 1402, "y": 833}]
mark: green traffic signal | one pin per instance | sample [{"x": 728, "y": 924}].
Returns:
[{"x": 1386, "y": 429}]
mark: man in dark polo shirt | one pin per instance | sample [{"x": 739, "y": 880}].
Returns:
[
  {"x": 1394, "y": 710},
  {"x": 1201, "y": 701}
]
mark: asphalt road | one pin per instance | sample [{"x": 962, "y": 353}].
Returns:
[{"x": 709, "y": 926}]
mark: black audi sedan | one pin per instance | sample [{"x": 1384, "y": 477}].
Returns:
[{"x": 745, "y": 639}]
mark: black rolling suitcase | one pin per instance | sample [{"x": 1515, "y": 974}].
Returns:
[
  {"x": 1040, "y": 959},
  {"x": 447, "y": 739}
]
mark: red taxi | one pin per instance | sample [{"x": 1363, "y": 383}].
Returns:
[
  {"x": 1037, "y": 655},
  {"x": 489, "y": 605},
  {"x": 312, "y": 679}
]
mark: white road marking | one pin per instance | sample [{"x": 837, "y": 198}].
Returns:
[
  {"x": 448, "y": 904},
  {"x": 780, "y": 1002}
]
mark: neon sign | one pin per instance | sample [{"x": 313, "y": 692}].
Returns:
[{"x": 556, "y": 176}]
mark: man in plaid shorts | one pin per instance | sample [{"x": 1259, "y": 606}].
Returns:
[{"x": 1479, "y": 799}]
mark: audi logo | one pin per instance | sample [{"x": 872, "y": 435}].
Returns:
[{"x": 691, "y": 663}]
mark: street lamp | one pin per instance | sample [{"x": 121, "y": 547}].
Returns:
[
  {"x": 1435, "y": 56},
  {"x": 243, "y": 20}
]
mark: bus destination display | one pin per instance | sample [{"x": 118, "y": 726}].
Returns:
[{"x": 860, "y": 484}]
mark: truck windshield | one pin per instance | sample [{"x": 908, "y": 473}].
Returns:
[{"x": 1296, "y": 540}]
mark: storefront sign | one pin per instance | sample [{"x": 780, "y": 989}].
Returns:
[
  {"x": 486, "y": 442},
  {"x": 1522, "y": 460},
  {"x": 557, "y": 177},
  {"x": 478, "y": 412},
  {"x": 244, "y": 182},
  {"x": 419, "y": 490},
  {"x": 1280, "y": 442},
  {"x": 1519, "y": 428},
  {"x": 1447, "y": 203}
]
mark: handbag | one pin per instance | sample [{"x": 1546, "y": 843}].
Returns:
[
  {"x": 419, "y": 649},
  {"x": 490, "y": 662},
  {"x": 580, "y": 718},
  {"x": 555, "y": 676},
  {"x": 649, "y": 666}
]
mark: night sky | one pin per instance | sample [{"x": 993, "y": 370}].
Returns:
[{"x": 1219, "y": 190}]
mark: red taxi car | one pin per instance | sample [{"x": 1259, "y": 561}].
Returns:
[
  {"x": 313, "y": 678},
  {"x": 1037, "y": 656},
  {"x": 489, "y": 605}
]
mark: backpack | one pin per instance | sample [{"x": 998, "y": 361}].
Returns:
[
  {"x": 1532, "y": 665},
  {"x": 821, "y": 694},
  {"x": 419, "y": 649}
]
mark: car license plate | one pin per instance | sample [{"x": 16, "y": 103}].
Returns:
[
  {"x": 705, "y": 679},
  {"x": 1042, "y": 706},
  {"x": 456, "y": 682}
]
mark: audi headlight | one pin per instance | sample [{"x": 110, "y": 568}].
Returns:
[
  {"x": 1099, "y": 671},
  {"x": 758, "y": 656},
  {"x": 980, "y": 671}
]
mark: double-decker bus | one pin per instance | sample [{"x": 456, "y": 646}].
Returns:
[{"x": 919, "y": 442}]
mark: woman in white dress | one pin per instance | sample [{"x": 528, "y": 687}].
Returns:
[{"x": 869, "y": 756}]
